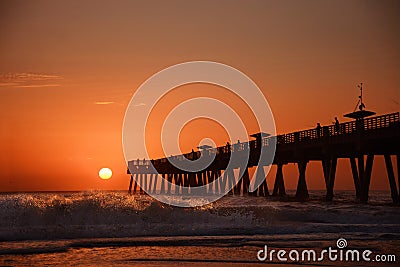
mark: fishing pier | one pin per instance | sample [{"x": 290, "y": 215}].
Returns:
[{"x": 359, "y": 141}]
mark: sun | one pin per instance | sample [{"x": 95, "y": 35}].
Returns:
[{"x": 105, "y": 173}]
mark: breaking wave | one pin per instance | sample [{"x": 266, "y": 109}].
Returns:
[{"x": 97, "y": 214}]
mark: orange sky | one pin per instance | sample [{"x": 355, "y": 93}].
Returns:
[{"x": 69, "y": 68}]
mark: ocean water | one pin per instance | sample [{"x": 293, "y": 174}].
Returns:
[{"x": 97, "y": 228}]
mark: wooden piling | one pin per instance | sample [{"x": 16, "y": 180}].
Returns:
[
  {"x": 367, "y": 177},
  {"x": 356, "y": 179},
  {"x": 392, "y": 180},
  {"x": 199, "y": 181},
  {"x": 364, "y": 172},
  {"x": 326, "y": 168},
  {"x": 150, "y": 182},
  {"x": 212, "y": 176},
  {"x": 230, "y": 177},
  {"x": 185, "y": 189},
  {"x": 279, "y": 185},
  {"x": 169, "y": 179},
  {"x": 204, "y": 177},
  {"x": 155, "y": 184},
  {"x": 246, "y": 182},
  {"x": 192, "y": 179},
  {"x": 237, "y": 188},
  {"x": 219, "y": 176},
  {"x": 130, "y": 184},
  {"x": 329, "y": 168},
  {"x": 162, "y": 190},
  {"x": 141, "y": 182},
  {"x": 263, "y": 188},
  {"x": 302, "y": 191},
  {"x": 223, "y": 181},
  {"x": 179, "y": 182}
]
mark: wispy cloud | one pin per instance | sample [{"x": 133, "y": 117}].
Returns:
[
  {"x": 139, "y": 105},
  {"x": 104, "y": 102},
  {"x": 7, "y": 84},
  {"x": 28, "y": 76},
  {"x": 29, "y": 80},
  {"x": 37, "y": 85}
]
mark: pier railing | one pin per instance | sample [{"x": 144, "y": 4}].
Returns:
[{"x": 364, "y": 125}]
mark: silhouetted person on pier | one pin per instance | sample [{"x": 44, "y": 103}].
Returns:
[
  {"x": 228, "y": 147},
  {"x": 337, "y": 125},
  {"x": 319, "y": 128},
  {"x": 237, "y": 146}
]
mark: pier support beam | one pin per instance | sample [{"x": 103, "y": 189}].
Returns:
[
  {"x": 356, "y": 179},
  {"x": 245, "y": 180},
  {"x": 170, "y": 176},
  {"x": 218, "y": 175},
  {"x": 199, "y": 176},
  {"x": 279, "y": 185},
  {"x": 365, "y": 176},
  {"x": 174, "y": 181},
  {"x": 141, "y": 182},
  {"x": 146, "y": 182},
  {"x": 238, "y": 186},
  {"x": 302, "y": 191},
  {"x": 229, "y": 176},
  {"x": 192, "y": 179},
  {"x": 130, "y": 185},
  {"x": 362, "y": 175},
  {"x": 162, "y": 190},
  {"x": 186, "y": 184},
  {"x": 392, "y": 180},
  {"x": 329, "y": 168},
  {"x": 135, "y": 186},
  {"x": 179, "y": 182},
  {"x": 222, "y": 182},
  {"x": 148, "y": 188},
  {"x": 204, "y": 178},
  {"x": 212, "y": 177},
  {"x": 155, "y": 183},
  {"x": 263, "y": 188}
]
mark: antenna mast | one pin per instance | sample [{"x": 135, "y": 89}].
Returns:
[
  {"x": 361, "y": 113},
  {"x": 362, "y": 106}
]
